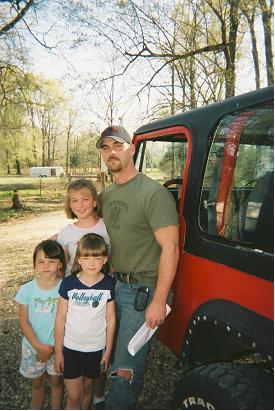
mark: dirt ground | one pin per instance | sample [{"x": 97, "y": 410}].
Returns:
[{"x": 17, "y": 242}]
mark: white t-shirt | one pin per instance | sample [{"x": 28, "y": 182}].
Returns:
[
  {"x": 85, "y": 328},
  {"x": 70, "y": 235}
]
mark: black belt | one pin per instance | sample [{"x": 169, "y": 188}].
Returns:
[{"x": 125, "y": 277}]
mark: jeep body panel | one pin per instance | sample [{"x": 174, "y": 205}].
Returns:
[{"x": 213, "y": 272}]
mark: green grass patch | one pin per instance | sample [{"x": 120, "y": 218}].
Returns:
[
  {"x": 36, "y": 195},
  {"x": 25, "y": 182}
]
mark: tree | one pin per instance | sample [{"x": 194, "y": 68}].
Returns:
[
  {"x": 248, "y": 8},
  {"x": 227, "y": 13},
  {"x": 155, "y": 36},
  {"x": 13, "y": 122},
  {"x": 267, "y": 20},
  {"x": 68, "y": 133},
  {"x": 193, "y": 42},
  {"x": 13, "y": 12},
  {"x": 47, "y": 112}
]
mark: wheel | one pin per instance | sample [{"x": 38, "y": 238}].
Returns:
[{"x": 225, "y": 386}]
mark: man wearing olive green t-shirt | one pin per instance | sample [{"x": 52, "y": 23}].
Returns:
[{"x": 141, "y": 220}]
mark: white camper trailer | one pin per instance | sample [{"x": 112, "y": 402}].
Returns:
[{"x": 46, "y": 171}]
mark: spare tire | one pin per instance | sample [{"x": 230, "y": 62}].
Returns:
[{"x": 225, "y": 386}]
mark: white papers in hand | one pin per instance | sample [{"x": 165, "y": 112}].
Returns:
[{"x": 142, "y": 336}]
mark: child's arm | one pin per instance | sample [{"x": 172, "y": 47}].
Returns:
[
  {"x": 110, "y": 332},
  {"x": 44, "y": 351},
  {"x": 59, "y": 330}
]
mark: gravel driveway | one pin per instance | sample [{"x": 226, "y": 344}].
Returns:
[{"x": 17, "y": 241}]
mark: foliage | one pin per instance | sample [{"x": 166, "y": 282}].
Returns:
[
  {"x": 185, "y": 51},
  {"x": 182, "y": 53}
]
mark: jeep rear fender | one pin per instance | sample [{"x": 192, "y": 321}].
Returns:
[{"x": 221, "y": 330}]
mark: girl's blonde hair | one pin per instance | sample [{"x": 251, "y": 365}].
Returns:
[
  {"x": 94, "y": 245},
  {"x": 78, "y": 185}
]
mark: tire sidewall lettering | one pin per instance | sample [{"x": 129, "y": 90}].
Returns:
[{"x": 197, "y": 401}]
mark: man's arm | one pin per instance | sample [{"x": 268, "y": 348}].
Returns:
[{"x": 168, "y": 239}]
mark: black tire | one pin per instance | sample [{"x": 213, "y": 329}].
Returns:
[{"x": 225, "y": 386}]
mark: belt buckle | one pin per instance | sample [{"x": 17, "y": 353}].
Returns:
[{"x": 128, "y": 278}]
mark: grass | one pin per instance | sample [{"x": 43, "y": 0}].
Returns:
[
  {"x": 25, "y": 182},
  {"x": 36, "y": 195}
]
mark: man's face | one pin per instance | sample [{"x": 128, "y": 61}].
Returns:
[{"x": 116, "y": 155}]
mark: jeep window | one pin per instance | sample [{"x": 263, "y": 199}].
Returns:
[
  {"x": 163, "y": 160},
  {"x": 237, "y": 194}
]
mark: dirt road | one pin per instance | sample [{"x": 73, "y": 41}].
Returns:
[{"x": 17, "y": 242}]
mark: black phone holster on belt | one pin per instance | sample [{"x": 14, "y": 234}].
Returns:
[{"x": 141, "y": 298}]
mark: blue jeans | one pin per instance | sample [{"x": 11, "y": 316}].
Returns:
[{"x": 123, "y": 393}]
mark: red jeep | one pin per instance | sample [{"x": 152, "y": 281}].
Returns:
[{"x": 217, "y": 161}]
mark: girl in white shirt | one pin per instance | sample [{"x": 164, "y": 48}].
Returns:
[{"x": 82, "y": 206}]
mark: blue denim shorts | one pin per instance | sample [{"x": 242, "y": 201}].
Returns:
[{"x": 30, "y": 367}]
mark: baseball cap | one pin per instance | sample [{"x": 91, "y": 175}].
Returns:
[{"x": 117, "y": 133}]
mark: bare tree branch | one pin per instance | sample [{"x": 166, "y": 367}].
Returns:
[{"x": 14, "y": 20}]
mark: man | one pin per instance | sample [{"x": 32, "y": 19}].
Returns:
[{"x": 142, "y": 223}]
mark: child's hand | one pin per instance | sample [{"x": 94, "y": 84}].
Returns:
[
  {"x": 44, "y": 352},
  {"x": 104, "y": 364},
  {"x": 59, "y": 362}
]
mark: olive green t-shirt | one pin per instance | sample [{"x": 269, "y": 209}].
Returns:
[{"x": 132, "y": 212}]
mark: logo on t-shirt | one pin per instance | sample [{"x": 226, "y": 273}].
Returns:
[
  {"x": 114, "y": 214},
  {"x": 82, "y": 298},
  {"x": 45, "y": 305},
  {"x": 115, "y": 209}
]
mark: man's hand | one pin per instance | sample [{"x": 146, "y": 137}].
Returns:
[
  {"x": 155, "y": 314},
  {"x": 44, "y": 352}
]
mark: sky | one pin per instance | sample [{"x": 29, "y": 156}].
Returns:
[
  {"x": 90, "y": 61},
  {"x": 54, "y": 67}
]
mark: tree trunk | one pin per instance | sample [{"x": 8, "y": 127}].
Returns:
[
  {"x": 7, "y": 161},
  {"x": 34, "y": 150},
  {"x": 48, "y": 150},
  {"x": 18, "y": 168},
  {"x": 266, "y": 18},
  {"x": 255, "y": 54},
  {"x": 232, "y": 40},
  {"x": 68, "y": 153},
  {"x": 16, "y": 204},
  {"x": 192, "y": 76},
  {"x": 173, "y": 89},
  {"x": 43, "y": 149},
  {"x": 53, "y": 150}
]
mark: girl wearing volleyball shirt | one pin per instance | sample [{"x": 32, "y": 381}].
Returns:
[{"x": 85, "y": 322}]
